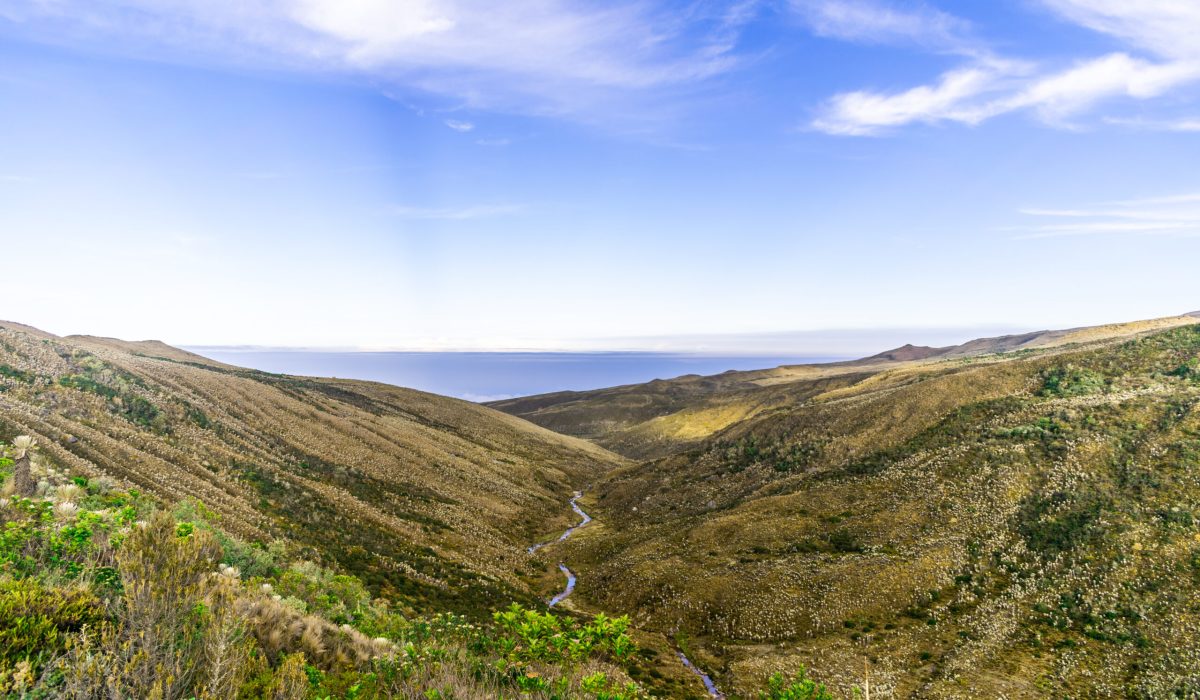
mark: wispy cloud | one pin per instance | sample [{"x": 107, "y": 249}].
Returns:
[
  {"x": 953, "y": 98},
  {"x": 1181, "y": 125},
  {"x": 547, "y": 57},
  {"x": 460, "y": 126},
  {"x": 987, "y": 86},
  {"x": 1166, "y": 28},
  {"x": 873, "y": 21},
  {"x": 1174, "y": 215},
  {"x": 457, "y": 213},
  {"x": 9, "y": 177}
]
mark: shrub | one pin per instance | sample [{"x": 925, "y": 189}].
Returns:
[
  {"x": 1058, "y": 523},
  {"x": 526, "y": 635},
  {"x": 177, "y": 633},
  {"x": 16, "y": 374},
  {"x": 1071, "y": 381},
  {"x": 339, "y": 597},
  {"x": 1189, "y": 370},
  {"x": 36, "y": 622},
  {"x": 800, "y": 687}
]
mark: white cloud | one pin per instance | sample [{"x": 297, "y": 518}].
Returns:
[
  {"x": 373, "y": 30},
  {"x": 1116, "y": 75},
  {"x": 987, "y": 87},
  {"x": 460, "y": 126},
  {"x": 865, "y": 113},
  {"x": 873, "y": 21},
  {"x": 1180, "y": 125},
  {"x": 1166, "y": 28},
  {"x": 543, "y": 57},
  {"x": 457, "y": 213},
  {"x": 1176, "y": 215}
]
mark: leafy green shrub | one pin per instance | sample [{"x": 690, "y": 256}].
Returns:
[
  {"x": 341, "y": 598},
  {"x": 36, "y": 621},
  {"x": 524, "y": 635},
  {"x": 799, "y": 687}
]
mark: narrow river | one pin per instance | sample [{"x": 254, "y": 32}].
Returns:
[
  {"x": 561, "y": 566},
  {"x": 566, "y": 591},
  {"x": 709, "y": 685}
]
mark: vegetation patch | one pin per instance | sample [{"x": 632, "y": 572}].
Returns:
[
  {"x": 1070, "y": 380},
  {"x": 16, "y": 374}
]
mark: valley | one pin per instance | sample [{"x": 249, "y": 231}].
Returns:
[
  {"x": 1014, "y": 517},
  {"x": 428, "y": 499},
  {"x": 965, "y": 525}
]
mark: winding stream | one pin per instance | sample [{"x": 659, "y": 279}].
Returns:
[
  {"x": 561, "y": 566},
  {"x": 709, "y": 685},
  {"x": 566, "y": 591}
]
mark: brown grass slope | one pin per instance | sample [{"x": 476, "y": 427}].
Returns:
[
  {"x": 430, "y": 500},
  {"x": 1022, "y": 525},
  {"x": 659, "y": 418}
]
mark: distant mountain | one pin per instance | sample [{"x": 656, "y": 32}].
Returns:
[
  {"x": 659, "y": 418},
  {"x": 907, "y": 353}
]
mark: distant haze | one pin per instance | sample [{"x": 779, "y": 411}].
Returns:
[{"x": 490, "y": 376}]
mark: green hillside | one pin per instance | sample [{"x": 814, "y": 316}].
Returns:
[{"x": 1023, "y": 524}]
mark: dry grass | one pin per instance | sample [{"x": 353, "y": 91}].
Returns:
[
  {"x": 430, "y": 500},
  {"x": 968, "y": 535}
]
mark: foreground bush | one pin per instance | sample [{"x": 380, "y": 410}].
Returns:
[
  {"x": 102, "y": 596},
  {"x": 800, "y": 687}
]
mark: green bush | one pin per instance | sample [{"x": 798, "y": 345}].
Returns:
[
  {"x": 1058, "y": 522},
  {"x": 1189, "y": 370},
  {"x": 524, "y": 635},
  {"x": 130, "y": 406},
  {"x": 16, "y": 374},
  {"x": 36, "y": 621},
  {"x": 800, "y": 687},
  {"x": 1071, "y": 381}
]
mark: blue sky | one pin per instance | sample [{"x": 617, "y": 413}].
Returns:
[{"x": 442, "y": 174}]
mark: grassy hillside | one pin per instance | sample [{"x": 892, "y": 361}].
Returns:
[
  {"x": 1015, "y": 517},
  {"x": 430, "y": 500},
  {"x": 1015, "y": 525},
  {"x": 662, "y": 417},
  {"x": 104, "y": 594}
]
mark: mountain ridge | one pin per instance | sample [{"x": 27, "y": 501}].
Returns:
[{"x": 655, "y": 419}]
